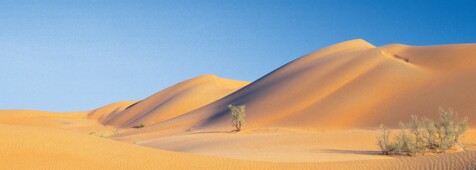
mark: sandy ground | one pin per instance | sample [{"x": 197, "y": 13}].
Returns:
[
  {"x": 276, "y": 145},
  {"x": 41, "y": 140},
  {"x": 280, "y": 145}
]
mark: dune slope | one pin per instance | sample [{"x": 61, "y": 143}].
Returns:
[
  {"x": 352, "y": 85},
  {"x": 171, "y": 102}
]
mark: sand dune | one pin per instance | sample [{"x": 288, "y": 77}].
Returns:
[
  {"x": 171, "y": 102},
  {"x": 351, "y": 85}
]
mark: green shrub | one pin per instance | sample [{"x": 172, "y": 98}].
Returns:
[
  {"x": 382, "y": 140},
  {"x": 416, "y": 128},
  {"x": 238, "y": 116},
  {"x": 404, "y": 142},
  {"x": 401, "y": 141},
  {"x": 430, "y": 135},
  {"x": 449, "y": 130}
]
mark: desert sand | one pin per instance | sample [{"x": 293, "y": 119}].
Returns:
[{"x": 320, "y": 111}]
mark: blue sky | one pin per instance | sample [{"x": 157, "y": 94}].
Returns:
[{"x": 80, "y": 55}]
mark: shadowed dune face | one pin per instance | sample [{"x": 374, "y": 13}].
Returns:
[
  {"x": 352, "y": 85},
  {"x": 171, "y": 102}
]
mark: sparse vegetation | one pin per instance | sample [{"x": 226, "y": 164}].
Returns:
[
  {"x": 449, "y": 131},
  {"x": 421, "y": 136},
  {"x": 105, "y": 134},
  {"x": 141, "y": 125},
  {"x": 383, "y": 140},
  {"x": 238, "y": 116}
]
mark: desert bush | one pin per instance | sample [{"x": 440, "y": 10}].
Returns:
[
  {"x": 423, "y": 135},
  {"x": 449, "y": 130},
  {"x": 141, "y": 125},
  {"x": 417, "y": 143},
  {"x": 238, "y": 116},
  {"x": 401, "y": 141},
  {"x": 430, "y": 135},
  {"x": 404, "y": 143},
  {"x": 105, "y": 134},
  {"x": 383, "y": 141}
]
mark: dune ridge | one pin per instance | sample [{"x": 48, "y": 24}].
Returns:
[{"x": 111, "y": 109}]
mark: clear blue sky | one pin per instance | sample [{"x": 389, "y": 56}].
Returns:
[{"x": 80, "y": 55}]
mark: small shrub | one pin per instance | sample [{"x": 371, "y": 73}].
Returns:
[
  {"x": 416, "y": 128},
  {"x": 238, "y": 116},
  {"x": 139, "y": 126},
  {"x": 462, "y": 127},
  {"x": 449, "y": 130},
  {"x": 105, "y": 134},
  {"x": 404, "y": 143},
  {"x": 430, "y": 135},
  {"x": 382, "y": 140},
  {"x": 401, "y": 141}
]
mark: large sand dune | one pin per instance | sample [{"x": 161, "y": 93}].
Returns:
[
  {"x": 351, "y": 85},
  {"x": 169, "y": 103}
]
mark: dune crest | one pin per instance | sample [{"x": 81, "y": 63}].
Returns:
[{"x": 114, "y": 108}]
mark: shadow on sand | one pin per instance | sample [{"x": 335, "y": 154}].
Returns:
[
  {"x": 218, "y": 131},
  {"x": 361, "y": 152}
]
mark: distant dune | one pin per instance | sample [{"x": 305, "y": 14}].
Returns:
[
  {"x": 169, "y": 103},
  {"x": 352, "y": 85}
]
